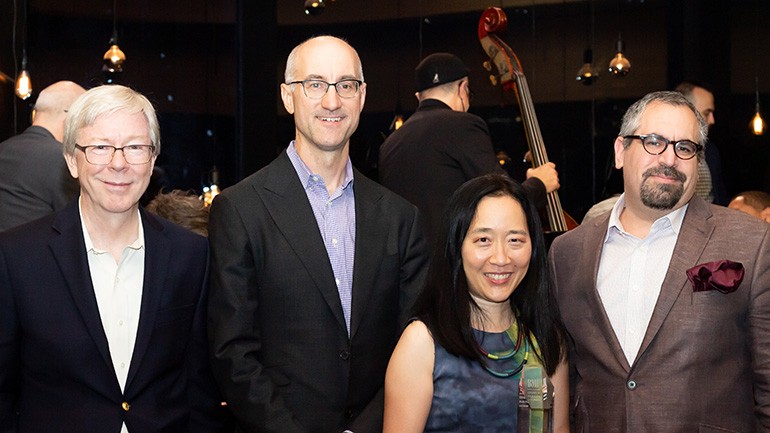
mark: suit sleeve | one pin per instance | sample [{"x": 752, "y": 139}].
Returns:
[
  {"x": 759, "y": 329},
  {"x": 414, "y": 268},
  {"x": 207, "y": 414},
  {"x": 234, "y": 335},
  {"x": 9, "y": 351}
]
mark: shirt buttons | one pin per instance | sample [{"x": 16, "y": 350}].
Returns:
[
  {"x": 631, "y": 384},
  {"x": 122, "y": 365}
]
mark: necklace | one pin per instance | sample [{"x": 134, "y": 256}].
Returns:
[{"x": 508, "y": 354}]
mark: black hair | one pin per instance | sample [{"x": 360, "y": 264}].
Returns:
[{"x": 445, "y": 304}]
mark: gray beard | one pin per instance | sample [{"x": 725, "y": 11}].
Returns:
[{"x": 662, "y": 196}]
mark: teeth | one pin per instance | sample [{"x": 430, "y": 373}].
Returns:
[
  {"x": 331, "y": 119},
  {"x": 499, "y": 277}
]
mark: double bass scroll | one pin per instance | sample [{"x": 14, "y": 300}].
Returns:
[{"x": 511, "y": 77}]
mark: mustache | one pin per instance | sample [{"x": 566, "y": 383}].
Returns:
[{"x": 665, "y": 170}]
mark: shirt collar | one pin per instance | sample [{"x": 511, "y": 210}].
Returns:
[
  {"x": 674, "y": 218},
  {"x": 136, "y": 245},
  {"x": 306, "y": 176}
]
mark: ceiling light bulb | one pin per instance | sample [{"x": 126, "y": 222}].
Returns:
[
  {"x": 314, "y": 7},
  {"x": 587, "y": 74},
  {"x": 619, "y": 65},
  {"x": 757, "y": 124},
  {"x": 23, "y": 85},
  {"x": 113, "y": 59}
]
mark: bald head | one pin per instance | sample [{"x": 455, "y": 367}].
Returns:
[
  {"x": 52, "y": 105},
  {"x": 754, "y": 203}
]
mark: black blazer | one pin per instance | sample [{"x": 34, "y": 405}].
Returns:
[
  {"x": 281, "y": 352},
  {"x": 434, "y": 152},
  {"x": 56, "y": 374}
]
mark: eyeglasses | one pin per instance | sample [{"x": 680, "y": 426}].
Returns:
[
  {"x": 655, "y": 145},
  {"x": 135, "y": 154},
  {"x": 316, "y": 89}
]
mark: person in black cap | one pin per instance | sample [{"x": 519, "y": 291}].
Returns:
[{"x": 441, "y": 146}]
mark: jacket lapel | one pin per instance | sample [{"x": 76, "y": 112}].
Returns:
[
  {"x": 289, "y": 207},
  {"x": 696, "y": 230},
  {"x": 70, "y": 253},
  {"x": 370, "y": 237},
  {"x": 157, "y": 254}
]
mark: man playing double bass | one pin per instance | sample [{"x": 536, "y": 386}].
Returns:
[{"x": 442, "y": 145}]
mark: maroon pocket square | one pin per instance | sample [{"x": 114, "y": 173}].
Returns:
[{"x": 722, "y": 275}]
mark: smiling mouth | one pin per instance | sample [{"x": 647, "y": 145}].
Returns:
[
  {"x": 331, "y": 119},
  {"x": 498, "y": 277}
]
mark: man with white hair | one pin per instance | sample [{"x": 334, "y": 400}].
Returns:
[{"x": 102, "y": 305}]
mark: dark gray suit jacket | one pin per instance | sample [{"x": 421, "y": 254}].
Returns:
[
  {"x": 55, "y": 365},
  {"x": 34, "y": 180},
  {"x": 281, "y": 352},
  {"x": 704, "y": 363}
]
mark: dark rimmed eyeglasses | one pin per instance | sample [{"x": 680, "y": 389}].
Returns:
[
  {"x": 655, "y": 145},
  {"x": 134, "y": 154},
  {"x": 316, "y": 89}
]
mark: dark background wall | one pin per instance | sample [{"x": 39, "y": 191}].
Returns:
[{"x": 212, "y": 68}]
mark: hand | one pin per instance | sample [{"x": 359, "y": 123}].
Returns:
[{"x": 547, "y": 174}]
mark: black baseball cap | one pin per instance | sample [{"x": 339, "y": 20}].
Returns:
[{"x": 437, "y": 69}]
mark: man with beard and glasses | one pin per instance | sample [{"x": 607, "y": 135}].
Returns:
[{"x": 666, "y": 298}]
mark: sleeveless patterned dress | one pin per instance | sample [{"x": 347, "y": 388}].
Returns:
[{"x": 468, "y": 398}]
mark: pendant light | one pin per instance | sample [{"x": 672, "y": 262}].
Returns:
[
  {"x": 114, "y": 57},
  {"x": 587, "y": 73},
  {"x": 757, "y": 124},
  {"x": 23, "y": 81},
  {"x": 620, "y": 66},
  {"x": 316, "y": 7}
]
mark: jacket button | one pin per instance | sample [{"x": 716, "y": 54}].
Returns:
[
  {"x": 348, "y": 412},
  {"x": 344, "y": 355},
  {"x": 631, "y": 384},
  {"x": 125, "y": 406}
]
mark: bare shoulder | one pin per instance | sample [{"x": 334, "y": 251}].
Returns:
[{"x": 416, "y": 335}]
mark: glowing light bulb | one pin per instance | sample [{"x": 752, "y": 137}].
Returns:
[
  {"x": 620, "y": 66},
  {"x": 587, "y": 74},
  {"x": 314, "y": 7},
  {"x": 23, "y": 85},
  {"x": 113, "y": 59},
  {"x": 757, "y": 124}
]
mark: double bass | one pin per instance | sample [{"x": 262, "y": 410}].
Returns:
[{"x": 511, "y": 77}]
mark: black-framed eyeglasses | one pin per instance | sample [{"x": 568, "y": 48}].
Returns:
[
  {"x": 135, "y": 154},
  {"x": 655, "y": 145},
  {"x": 316, "y": 89}
]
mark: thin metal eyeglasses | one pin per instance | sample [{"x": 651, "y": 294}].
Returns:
[
  {"x": 316, "y": 89},
  {"x": 655, "y": 145},
  {"x": 134, "y": 154}
]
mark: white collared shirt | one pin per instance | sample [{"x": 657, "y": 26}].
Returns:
[
  {"x": 631, "y": 273},
  {"x": 118, "y": 290}
]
